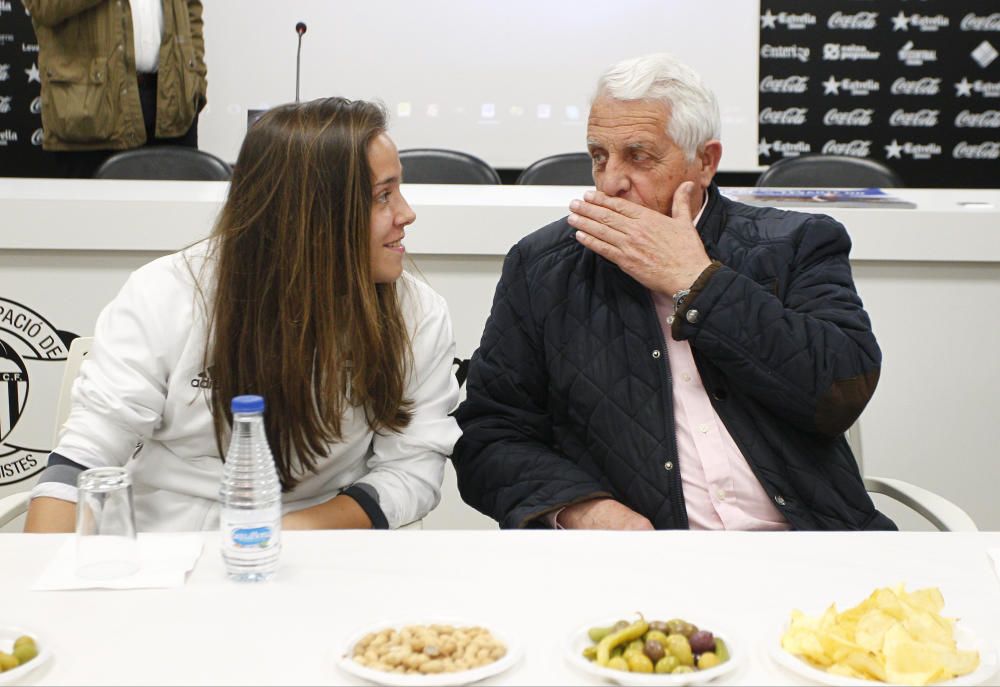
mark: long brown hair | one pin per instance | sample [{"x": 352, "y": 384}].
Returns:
[{"x": 296, "y": 315}]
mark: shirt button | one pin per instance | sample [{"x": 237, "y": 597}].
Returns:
[
  {"x": 691, "y": 316},
  {"x": 686, "y": 377},
  {"x": 669, "y": 465},
  {"x": 779, "y": 499},
  {"x": 721, "y": 493},
  {"x": 703, "y": 428},
  {"x": 656, "y": 353}
]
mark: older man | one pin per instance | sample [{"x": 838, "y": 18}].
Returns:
[{"x": 664, "y": 357}]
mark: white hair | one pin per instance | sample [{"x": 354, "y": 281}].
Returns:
[{"x": 694, "y": 111}]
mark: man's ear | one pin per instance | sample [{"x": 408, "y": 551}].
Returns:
[{"x": 708, "y": 161}]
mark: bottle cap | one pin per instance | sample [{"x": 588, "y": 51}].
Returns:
[{"x": 248, "y": 404}]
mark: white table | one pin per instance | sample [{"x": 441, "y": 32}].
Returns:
[{"x": 539, "y": 586}]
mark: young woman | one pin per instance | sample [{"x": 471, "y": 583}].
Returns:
[{"x": 298, "y": 295}]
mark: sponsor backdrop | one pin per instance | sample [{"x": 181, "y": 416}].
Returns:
[
  {"x": 915, "y": 84},
  {"x": 21, "y": 151}
]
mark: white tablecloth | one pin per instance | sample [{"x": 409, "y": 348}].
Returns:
[{"x": 537, "y": 586}]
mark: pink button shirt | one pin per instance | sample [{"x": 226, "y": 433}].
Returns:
[{"x": 720, "y": 490}]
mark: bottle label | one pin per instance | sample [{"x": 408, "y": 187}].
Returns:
[
  {"x": 256, "y": 530},
  {"x": 259, "y": 537}
]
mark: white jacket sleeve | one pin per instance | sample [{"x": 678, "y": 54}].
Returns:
[
  {"x": 118, "y": 397},
  {"x": 407, "y": 467}
]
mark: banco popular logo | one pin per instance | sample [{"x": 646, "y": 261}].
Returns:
[{"x": 29, "y": 348}]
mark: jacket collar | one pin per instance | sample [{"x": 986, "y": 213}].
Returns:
[{"x": 712, "y": 218}]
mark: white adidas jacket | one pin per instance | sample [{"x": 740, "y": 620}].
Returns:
[{"x": 143, "y": 381}]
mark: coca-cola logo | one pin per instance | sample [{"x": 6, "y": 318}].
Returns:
[
  {"x": 790, "y": 84},
  {"x": 987, "y": 150},
  {"x": 922, "y": 118},
  {"x": 785, "y": 52},
  {"x": 792, "y": 116},
  {"x": 914, "y": 57},
  {"x": 859, "y": 116},
  {"x": 859, "y": 21},
  {"x": 990, "y": 119},
  {"x": 836, "y": 52},
  {"x": 989, "y": 22},
  {"x": 925, "y": 86},
  {"x": 855, "y": 148}
]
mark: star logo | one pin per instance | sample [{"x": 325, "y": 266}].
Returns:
[
  {"x": 963, "y": 88},
  {"x": 33, "y": 74},
  {"x": 764, "y": 148},
  {"x": 893, "y": 150},
  {"x": 831, "y": 86},
  {"x": 767, "y": 20},
  {"x": 900, "y": 22}
]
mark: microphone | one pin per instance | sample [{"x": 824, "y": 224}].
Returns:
[{"x": 300, "y": 29}]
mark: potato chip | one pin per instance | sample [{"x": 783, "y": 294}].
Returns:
[{"x": 892, "y": 636}]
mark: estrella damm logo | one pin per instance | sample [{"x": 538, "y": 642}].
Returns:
[{"x": 32, "y": 355}]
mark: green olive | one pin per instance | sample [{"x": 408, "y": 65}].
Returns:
[
  {"x": 25, "y": 652},
  {"x": 657, "y": 636},
  {"x": 678, "y": 646},
  {"x": 640, "y": 663},
  {"x": 23, "y": 639},
  {"x": 7, "y": 662},
  {"x": 708, "y": 660},
  {"x": 659, "y": 626},
  {"x": 590, "y": 653},
  {"x": 596, "y": 634},
  {"x": 666, "y": 664},
  {"x": 682, "y": 669},
  {"x": 618, "y": 663},
  {"x": 721, "y": 650}
]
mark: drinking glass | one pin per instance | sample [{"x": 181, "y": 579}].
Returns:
[{"x": 106, "y": 545}]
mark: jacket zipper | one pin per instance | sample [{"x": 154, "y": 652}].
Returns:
[{"x": 677, "y": 493}]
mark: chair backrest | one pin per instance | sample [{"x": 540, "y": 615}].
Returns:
[
  {"x": 176, "y": 163},
  {"x": 824, "y": 171},
  {"x": 566, "y": 169},
  {"x": 442, "y": 166},
  {"x": 78, "y": 348}
]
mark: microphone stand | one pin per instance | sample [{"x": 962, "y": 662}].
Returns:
[{"x": 300, "y": 29}]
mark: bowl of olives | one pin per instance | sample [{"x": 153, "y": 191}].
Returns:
[
  {"x": 650, "y": 650},
  {"x": 20, "y": 653}
]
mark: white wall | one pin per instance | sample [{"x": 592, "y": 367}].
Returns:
[{"x": 437, "y": 63}]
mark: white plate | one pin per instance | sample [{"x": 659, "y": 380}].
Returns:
[
  {"x": 462, "y": 677},
  {"x": 7, "y": 637},
  {"x": 966, "y": 638},
  {"x": 580, "y": 640}
]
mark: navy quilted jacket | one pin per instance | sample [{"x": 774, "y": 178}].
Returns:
[{"x": 569, "y": 393}]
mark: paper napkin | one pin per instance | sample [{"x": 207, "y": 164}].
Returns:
[{"x": 165, "y": 561}]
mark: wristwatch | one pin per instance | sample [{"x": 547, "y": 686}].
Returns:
[{"x": 678, "y": 299}]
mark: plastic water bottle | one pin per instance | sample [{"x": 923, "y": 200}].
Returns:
[{"x": 251, "y": 497}]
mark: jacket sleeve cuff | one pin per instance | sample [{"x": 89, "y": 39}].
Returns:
[
  {"x": 369, "y": 504},
  {"x": 696, "y": 288}
]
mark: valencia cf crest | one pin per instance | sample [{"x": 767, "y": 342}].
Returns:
[{"x": 32, "y": 356}]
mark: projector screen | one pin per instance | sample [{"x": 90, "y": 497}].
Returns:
[{"x": 508, "y": 81}]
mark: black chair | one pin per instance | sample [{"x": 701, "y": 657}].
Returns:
[
  {"x": 566, "y": 169},
  {"x": 811, "y": 171},
  {"x": 442, "y": 166},
  {"x": 175, "y": 163}
]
